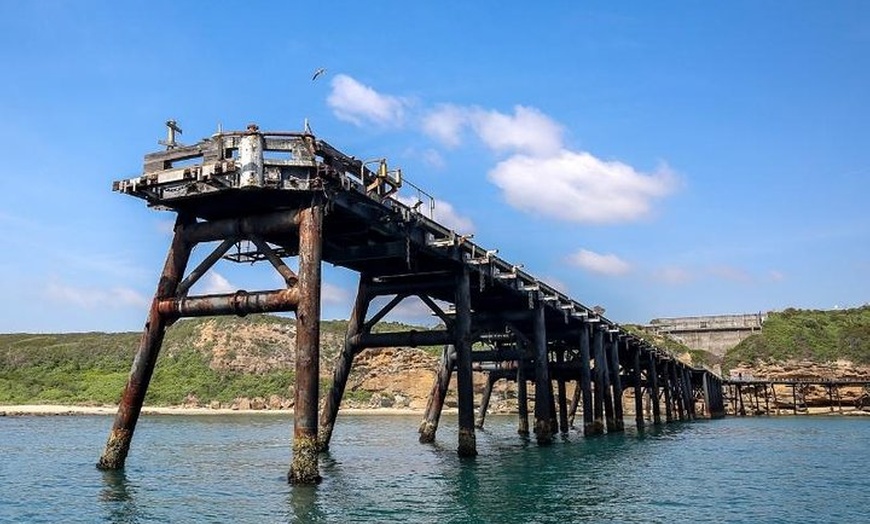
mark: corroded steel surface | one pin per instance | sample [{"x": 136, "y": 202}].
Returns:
[
  {"x": 303, "y": 469},
  {"x": 118, "y": 444},
  {"x": 267, "y": 196}
]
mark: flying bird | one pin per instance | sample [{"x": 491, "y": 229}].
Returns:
[{"x": 317, "y": 73}]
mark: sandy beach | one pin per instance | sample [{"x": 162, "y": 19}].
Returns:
[{"x": 57, "y": 409}]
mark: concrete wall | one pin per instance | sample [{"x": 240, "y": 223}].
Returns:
[{"x": 716, "y": 334}]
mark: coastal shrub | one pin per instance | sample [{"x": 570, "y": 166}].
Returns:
[{"x": 817, "y": 336}]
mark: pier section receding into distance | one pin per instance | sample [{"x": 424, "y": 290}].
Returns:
[{"x": 268, "y": 196}]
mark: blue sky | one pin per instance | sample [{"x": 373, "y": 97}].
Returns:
[{"x": 677, "y": 159}]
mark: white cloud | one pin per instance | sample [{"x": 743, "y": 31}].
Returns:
[
  {"x": 213, "y": 283},
  {"x": 673, "y": 275},
  {"x": 540, "y": 174},
  {"x": 579, "y": 187},
  {"x": 445, "y": 214},
  {"x": 359, "y": 104},
  {"x": 93, "y": 298},
  {"x": 597, "y": 263},
  {"x": 445, "y": 124},
  {"x": 526, "y": 131}
]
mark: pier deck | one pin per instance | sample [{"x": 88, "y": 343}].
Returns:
[{"x": 267, "y": 196}]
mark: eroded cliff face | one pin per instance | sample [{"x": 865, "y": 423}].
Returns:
[
  {"x": 803, "y": 370},
  {"x": 380, "y": 378},
  {"x": 402, "y": 377},
  {"x": 809, "y": 396}
]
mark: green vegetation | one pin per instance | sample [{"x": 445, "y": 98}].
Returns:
[
  {"x": 699, "y": 356},
  {"x": 92, "y": 368},
  {"x": 817, "y": 336}
]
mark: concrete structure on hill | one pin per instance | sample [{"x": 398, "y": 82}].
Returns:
[{"x": 716, "y": 334}]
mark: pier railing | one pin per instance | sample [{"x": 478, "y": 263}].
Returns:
[{"x": 270, "y": 196}]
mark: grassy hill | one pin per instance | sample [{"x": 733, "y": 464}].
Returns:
[
  {"x": 817, "y": 336},
  {"x": 218, "y": 358}
]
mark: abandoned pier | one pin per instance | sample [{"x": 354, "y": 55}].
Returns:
[{"x": 257, "y": 196}]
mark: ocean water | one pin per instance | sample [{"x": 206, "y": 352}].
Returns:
[{"x": 233, "y": 469}]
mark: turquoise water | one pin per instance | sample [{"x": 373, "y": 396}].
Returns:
[{"x": 232, "y": 469}]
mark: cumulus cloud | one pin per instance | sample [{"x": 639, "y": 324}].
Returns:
[
  {"x": 609, "y": 264},
  {"x": 445, "y": 124},
  {"x": 542, "y": 176},
  {"x": 93, "y": 298},
  {"x": 359, "y": 104},
  {"x": 538, "y": 173},
  {"x": 776, "y": 276},
  {"x": 579, "y": 187},
  {"x": 213, "y": 283},
  {"x": 447, "y": 215},
  {"x": 527, "y": 130}
]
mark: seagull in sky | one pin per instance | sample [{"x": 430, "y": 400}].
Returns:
[{"x": 317, "y": 73}]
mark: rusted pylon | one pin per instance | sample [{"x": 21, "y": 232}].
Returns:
[
  {"x": 265, "y": 197},
  {"x": 171, "y": 302}
]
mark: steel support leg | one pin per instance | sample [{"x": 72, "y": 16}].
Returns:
[
  {"x": 543, "y": 391},
  {"x": 668, "y": 391},
  {"x": 638, "y": 388},
  {"x": 465, "y": 386},
  {"x": 603, "y": 394},
  {"x": 705, "y": 389},
  {"x": 616, "y": 380},
  {"x": 575, "y": 403},
  {"x": 522, "y": 399},
  {"x": 654, "y": 390},
  {"x": 435, "y": 404},
  {"x": 563, "y": 401},
  {"x": 589, "y": 426},
  {"x": 118, "y": 444},
  {"x": 484, "y": 402},
  {"x": 304, "y": 467},
  {"x": 343, "y": 364}
]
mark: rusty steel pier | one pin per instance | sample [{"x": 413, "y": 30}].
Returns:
[
  {"x": 746, "y": 396},
  {"x": 268, "y": 196}
]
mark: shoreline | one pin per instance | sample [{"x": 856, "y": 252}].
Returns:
[
  {"x": 65, "y": 410},
  {"x": 21, "y": 410}
]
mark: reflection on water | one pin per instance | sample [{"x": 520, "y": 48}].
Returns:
[
  {"x": 118, "y": 498},
  {"x": 304, "y": 507}
]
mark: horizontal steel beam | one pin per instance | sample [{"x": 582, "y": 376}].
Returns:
[
  {"x": 240, "y": 303},
  {"x": 278, "y": 223},
  {"x": 405, "y": 338}
]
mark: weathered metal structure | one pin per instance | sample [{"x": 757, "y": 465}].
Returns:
[
  {"x": 267, "y": 196},
  {"x": 754, "y": 396}
]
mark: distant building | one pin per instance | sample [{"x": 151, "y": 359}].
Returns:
[{"x": 716, "y": 334}]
